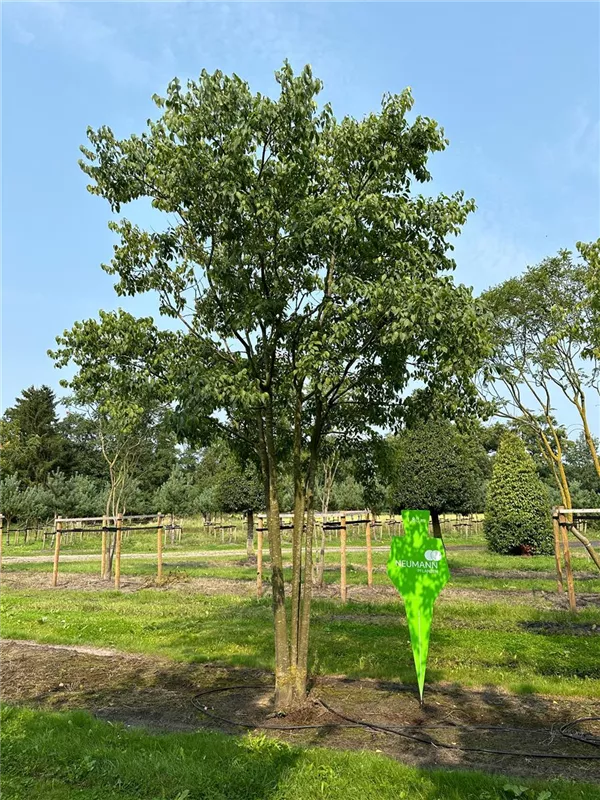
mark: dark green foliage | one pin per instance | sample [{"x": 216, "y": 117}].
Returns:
[
  {"x": 178, "y": 495},
  {"x": 517, "y": 513},
  {"x": 31, "y": 443},
  {"x": 11, "y": 498},
  {"x": 434, "y": 466},
  {"x": 240, "y": 490},
  {"x": 84, "y": 455}
]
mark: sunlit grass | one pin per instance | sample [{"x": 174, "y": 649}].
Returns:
[{"x": 71, "y": 756}]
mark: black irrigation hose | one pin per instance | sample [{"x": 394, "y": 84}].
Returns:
[
  {"x": 349, "y": 722},
  {"x": 586, "y": 738}
]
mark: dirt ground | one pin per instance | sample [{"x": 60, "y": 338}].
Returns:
[
  {"x": 27, "y": 579},
  {"x": 158, "y": 694}
]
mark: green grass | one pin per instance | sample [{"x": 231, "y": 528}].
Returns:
[
  {"x": 198, "y": 537},
  {"x": 512, "y": 646},
  {"x": 222, "y": 567},
  {"x": 71, "y": 756}
]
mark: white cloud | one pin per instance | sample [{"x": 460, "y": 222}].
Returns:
[
  {"x": 148, "y": 43},
  {"x": 21, "y": 34},
  {"x": 77, "y": 29}
]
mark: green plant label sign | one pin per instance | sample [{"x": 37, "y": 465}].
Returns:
[{"x": 418, "y": 569}]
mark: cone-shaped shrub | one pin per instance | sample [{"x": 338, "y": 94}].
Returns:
[{"x": 517, "y": 513}]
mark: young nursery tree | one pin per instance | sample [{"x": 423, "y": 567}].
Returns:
[
  {"x": 517, "y": 511},
  {"x": 118, "y": 387},
  {"x": 310, "y": 280}
]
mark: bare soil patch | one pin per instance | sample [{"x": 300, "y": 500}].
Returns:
[
  {"x": 157, "y": 694},
  {"x": 79, "y": 581}
]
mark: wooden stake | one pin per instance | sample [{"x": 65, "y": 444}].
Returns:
[
  {"x": 369, "y": 554},
  {"x": 259, "y": 558},
  {"x": 568, "y": 568},
  {"x": 57, "y": 535},
  {"x": 343, "y": 588},
  {"x": 159, "y": 543},
  {"x": 118, "y": 552},
  {"x": 103, "y": 559},
  {"x": 559, "y": 576}
]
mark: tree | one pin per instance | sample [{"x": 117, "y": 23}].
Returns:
[
  {"x": 11, "y": 497},
  {"x": 178, "y": 494},
  {"x": 517, "y": 511},
  {"x": 36, "y": 505},
  {"x": 545, "y": 326},
  {"x": 31, "y": 443},
  {"x": 86, "y": 496},
  {"x": 84, "y": 454},
  {"x": 311, "y": 285},
  {"x": 123, "y": 405},
  {"x": 240, "y": 490},
  {"x": 436, "y": 467},
  {"x": 58, "y": 489}
]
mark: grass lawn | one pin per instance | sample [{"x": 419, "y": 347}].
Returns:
[
  {"x": 71, "y": 756},
  {"x": 504, "y": 644},
  {"x": 517, "y": 647}
]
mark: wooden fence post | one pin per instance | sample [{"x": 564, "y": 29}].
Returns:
[
  {"x": 103, "y": 556},
  {"x": 568, "y": 567},
  {"x": 557, "y": 559},
  {"x": 343, "y": 587},
  {"x": 57, "y": 535},
  {"x": 259, "y": 557},
  {"x": 369, "y": 553},
  {"x": 159, "y": 543},
  {"x": 118, "y": 551}
]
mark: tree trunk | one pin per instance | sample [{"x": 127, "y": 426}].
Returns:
[
  {"x": 283, "y": 685},
  {"x": 250, "y": 533},
  {"x": 297, "y": 535},
  {"x": 435, "y": 521},
  {"x": 588, "y": 434},
  {"x": 301, "y": 684}
]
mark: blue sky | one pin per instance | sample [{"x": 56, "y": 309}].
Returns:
[{"x": 515, "y": 85}]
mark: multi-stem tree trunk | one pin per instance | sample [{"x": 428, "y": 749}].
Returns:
[{"x": 291, "y": 645}]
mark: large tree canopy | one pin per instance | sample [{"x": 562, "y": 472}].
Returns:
[
  {"x": 311, "y": 282},
  {"x": 545, "y": 326}
]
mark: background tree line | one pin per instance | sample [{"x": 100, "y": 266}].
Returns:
[{"x": 53, "y": 465}]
